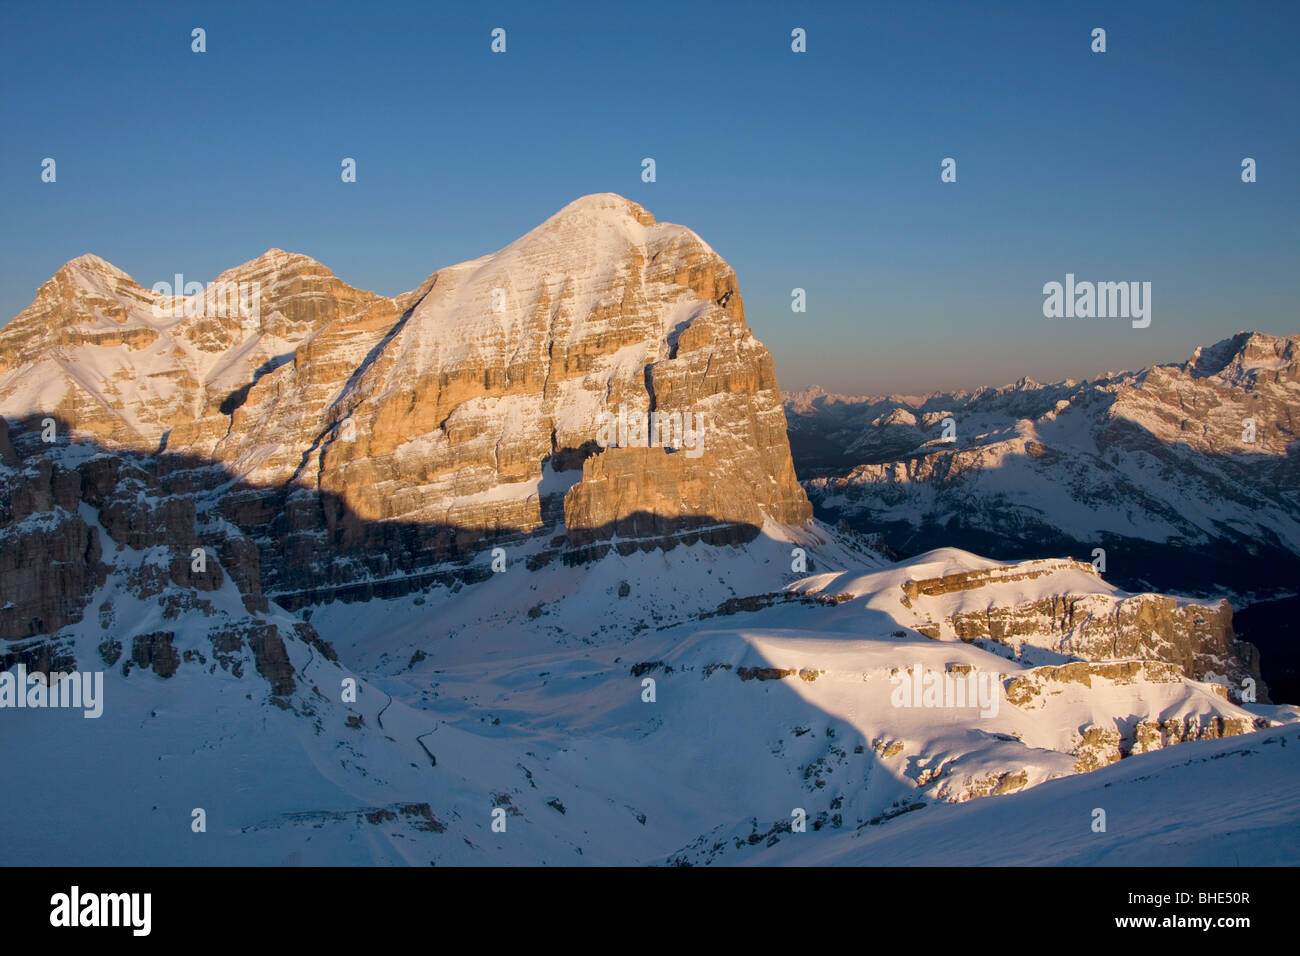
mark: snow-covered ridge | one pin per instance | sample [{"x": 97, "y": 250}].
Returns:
[
  {"x": 1244, "y": 352},
  {"x": 1196, "y": 455}
]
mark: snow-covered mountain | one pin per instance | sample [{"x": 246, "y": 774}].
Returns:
[
  {"x": 1186, "y": 475},
  {"x": 1179, "y": 477},
  {"x": 367, "y": 581}
]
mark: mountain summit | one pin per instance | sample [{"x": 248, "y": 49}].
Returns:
[{"x": 428, "y": 425}]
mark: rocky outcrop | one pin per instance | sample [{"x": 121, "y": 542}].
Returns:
[
  {"x": 1100, "y": 745},
  {"x": 271, "y": 658},
  {"x": 646, "y": 496},
  {"x": 1097, "y": 744},
  {"x": 50, "y": 558},
  {"x": 1064, "y": 608},
  {"x": 971, "y": 580},
  {"x": 155, "y": 652},
  {"x": 1022, "y": 691},
  {"x": 1196, "y": 637}
]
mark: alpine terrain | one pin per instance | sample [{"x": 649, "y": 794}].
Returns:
[
  {"x": 516, "y": 568},
  {"x": 1182, "y": 477}
]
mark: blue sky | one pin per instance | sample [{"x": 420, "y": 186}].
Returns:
[{"x": 817, "y": 170}]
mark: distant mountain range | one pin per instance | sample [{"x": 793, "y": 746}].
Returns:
[{"x": 1187, "y": 475}]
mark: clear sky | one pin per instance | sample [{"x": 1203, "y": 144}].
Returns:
[{"x": 818, "y": 170}]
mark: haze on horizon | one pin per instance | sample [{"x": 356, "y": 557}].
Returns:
[{"x": 817, "y": 170}]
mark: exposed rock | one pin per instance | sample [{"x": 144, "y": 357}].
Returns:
[
  {"x": 7, "y": 456},
  {"x": 1097, "y": 747},
  {"x": 764, "y": 673},
  {"x": 969, "y": 580},
  {"x": 271, "y": 658},
  {"x": 378, "y": 444},
  {"x": 155, "y": 651},
  {"x": 1085, "y": 619},
  {"x": 1021, "y": 690},
  {"x": 991, "y": 785},
  {"x": 39, "y": 656},
  {"x": 50, "y": 559}
]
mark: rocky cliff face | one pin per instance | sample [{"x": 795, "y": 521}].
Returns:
[
  {"x": 1049, "y": 612},
  {"x": 1070, "y": 612},
  {"x": 327, "y": 441},
  {"x": 485, "y": 396}
]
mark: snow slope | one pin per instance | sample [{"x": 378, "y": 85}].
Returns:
[
  {"x": 525, "y": 694},
  {"x": 1215, "y": 803}
]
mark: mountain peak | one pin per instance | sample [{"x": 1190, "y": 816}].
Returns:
[
  {"x": 1242, "y": 353},
  {"x": 87, "y": 275},
  {"x": 275, "y": 262},
  {"x": 88, "y": 260},
  {"x": 595, "y": 229},
  {"x": 89, "y": 267},
  {"x": 276, "y": 258},
  {"x": 459, "y": 399},
  {"x": 605, "y": 206},
  {"x": 275, "y": 254}
]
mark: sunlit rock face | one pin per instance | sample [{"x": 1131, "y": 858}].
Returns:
[{"x": 370, "y": 437}]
